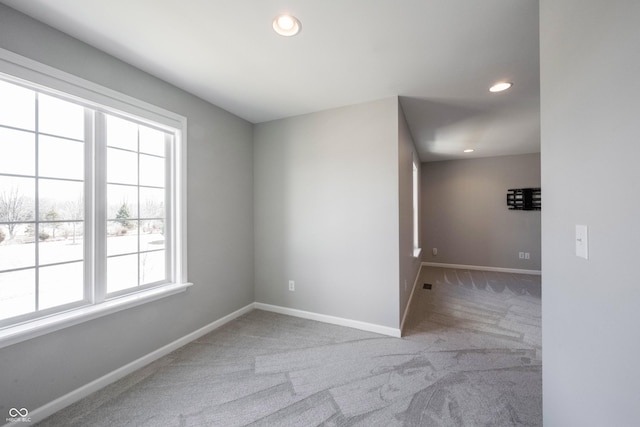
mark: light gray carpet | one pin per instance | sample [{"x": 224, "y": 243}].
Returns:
[{"x": 471, "y": 357}]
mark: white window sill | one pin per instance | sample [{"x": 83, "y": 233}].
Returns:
[
  {"x": 35, "y": 328},
  {"x": 417, "y": 252}
]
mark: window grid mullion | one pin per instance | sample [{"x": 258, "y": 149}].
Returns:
[
  {"x": 170, "y": 267},
  {"x": 89, "y": 205},
  {"x": 36, "y": 206},
  {"x": 138, "y": 212},
  {"x": 100, "y": 202}
]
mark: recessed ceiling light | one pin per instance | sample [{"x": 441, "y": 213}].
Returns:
[
  {"x": 468, "y": 150},
  {"x": 286, "y": 25},
  {"x": 500, "y": 86}
]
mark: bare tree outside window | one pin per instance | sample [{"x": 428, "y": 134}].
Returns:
[
  {"x": 74, "y": 210},
  {"x": 14, "y": 208},
  {"x": 153, "y": 209}
]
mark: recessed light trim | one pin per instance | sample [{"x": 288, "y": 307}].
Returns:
[
  {"x": 469, "y": 150},
  {"x": 286, "y": 25},
  {"x": 500, "y": 86}
]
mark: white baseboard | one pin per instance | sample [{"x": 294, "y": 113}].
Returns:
[
  {"x": 356, "y": 324},
  {"x": 413, "y": 290},
  {"x": 50, "y": 408},
  {"x": 483, "y": 268}
]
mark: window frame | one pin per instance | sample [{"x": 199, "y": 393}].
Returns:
[
  {"x": 97, "y": 303},
  {"x": 415, "y": 194}
]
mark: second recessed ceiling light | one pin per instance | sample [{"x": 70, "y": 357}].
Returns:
[
  {"x": 500, "y": 86},
  {"x": 286, "y": 25}
]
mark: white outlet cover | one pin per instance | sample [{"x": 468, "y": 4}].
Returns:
[{"x": 582, "y": 241}]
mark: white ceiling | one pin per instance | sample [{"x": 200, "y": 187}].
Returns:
[{"x": 439, "y": 56}]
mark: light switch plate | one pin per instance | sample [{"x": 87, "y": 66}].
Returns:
[{"x": 582, "y": 242}]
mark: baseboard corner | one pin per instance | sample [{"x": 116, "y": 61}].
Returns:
[{"x": 406, "y": 309}]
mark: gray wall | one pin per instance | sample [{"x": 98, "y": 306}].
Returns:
[
  {"x": 220, "y": 231},
  {"x": 326, "y": 212},
  {"x": 409, "y": 266},
  {"x": 464, "y": 212},
  {"x": 590, "y": 93}
]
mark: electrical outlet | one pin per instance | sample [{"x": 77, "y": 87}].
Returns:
[
  {"x": 521, "y": 255},
  {"x": 434, "y": 251},
  {"x": 527, "y": 255},
  {"x": 582, "y": 241},
  {"x": 292, "y": 285}
]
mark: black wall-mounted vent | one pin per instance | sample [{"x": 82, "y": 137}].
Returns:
[{"x": 524, "y": 199}]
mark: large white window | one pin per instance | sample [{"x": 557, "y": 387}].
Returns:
[{"x": 91, "y": 201}]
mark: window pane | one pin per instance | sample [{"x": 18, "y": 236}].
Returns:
[
  {"x": 122, "y": 202},
  {"x": 151, "y": 141},
  {"x": 61, "y": 118},
  {"x": 122, "y": 133},
  {"x": 18, "y": 151},
  {"x": 57, "y": 244},
  {"x": 122, "y": 239},
  {"x": 17, "y": 293},
  {"x": 17, "y": 106},
  {"x": 152, "y": 267},
  {"x": 151, "y": 235},
  {"x": 122, "y": 273},
  {"x": 151, "y": 171},
  {"x": 60, "y": 158},
  {"x": 17, "y": 196},
  {"x": 152, "y": 203},
  {"x": 60, "y": 200},
  {"x": 61, "y": 284},
  {"x": 122, "y": 167},
  {"x": 18, "y": 251}
]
